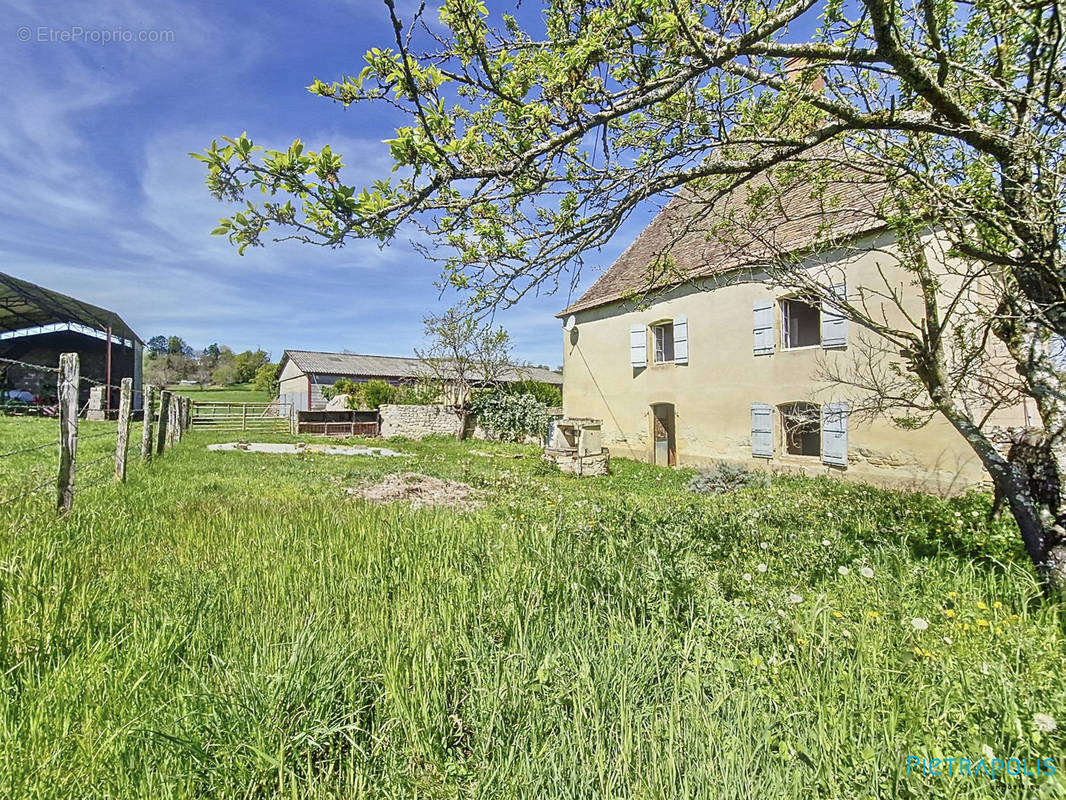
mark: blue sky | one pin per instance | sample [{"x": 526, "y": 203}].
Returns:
[{"x": 102, "y": 202}]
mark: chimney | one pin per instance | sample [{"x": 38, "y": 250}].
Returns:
[{"x": 794, "y": 68}]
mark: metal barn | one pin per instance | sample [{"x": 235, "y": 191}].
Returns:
[{"x": 37, "y": 324}]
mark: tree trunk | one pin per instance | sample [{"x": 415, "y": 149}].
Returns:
[{"x": 1039, "y": 510}]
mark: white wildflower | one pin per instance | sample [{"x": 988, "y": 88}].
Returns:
[
  {"x": 947, "y": 640},
  {"x": 763, "y": 545},
  {"x": 846, "y": 634},
  {"x": 762, "y": 568},
  {"x": 1045, "y": 722},
  {"x": 866, "y": 572},
  {"x": 842, "y": 570},
  {"x": 919, "y": 624},
  {"x": 795, "y": 598},
  {"x": 746, "y": 576},
  {"x": 986, "y": 751},
  {"x": 825, "y": 543}
]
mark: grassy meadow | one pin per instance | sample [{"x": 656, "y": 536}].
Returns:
[
  {"x": 236, "y": 393},
  {"x": 232, "y": 625}
]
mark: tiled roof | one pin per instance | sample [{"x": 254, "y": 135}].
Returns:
[
  {"x": 702, "y": 239},
  {"x": 312, "y": 362}
]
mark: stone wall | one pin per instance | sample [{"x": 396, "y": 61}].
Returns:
[{"x": 417, "y": 422}]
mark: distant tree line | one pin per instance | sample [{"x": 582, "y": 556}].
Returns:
[{"x": 170, "y": 359}]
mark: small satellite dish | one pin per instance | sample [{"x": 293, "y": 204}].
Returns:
[{"x": 570, "y": 323}]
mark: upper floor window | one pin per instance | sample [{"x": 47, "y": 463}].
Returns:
[
  {"x": 801, "y": 323},
  {"x": 663, "y": 339},
  {"x": 669, "y": 342}
]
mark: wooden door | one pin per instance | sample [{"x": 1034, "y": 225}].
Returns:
[{"x": 665, "y": 449}]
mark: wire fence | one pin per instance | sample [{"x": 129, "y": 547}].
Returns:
[{"x": 84, "y": 455}]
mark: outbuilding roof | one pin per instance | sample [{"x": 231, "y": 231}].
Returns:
[
  {"x": 691, "y": 238},
  {"x": 27, "y": 305},
  {"x": 370, "y": 366}
]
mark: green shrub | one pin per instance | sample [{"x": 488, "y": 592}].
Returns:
[
  {"x": 363, "y": 395},
  {"x": 546, "y": 393},
  {"x": 510, "y": 416},
  {"x": 727, "y": 477}
]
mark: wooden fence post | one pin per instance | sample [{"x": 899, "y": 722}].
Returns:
[
  {"x": 161, "y": 427},
  {"x": 186, "y": 417},
  {"x": 179, "y": 426},
  {"x": 244, "y": 417},
  {"x": 146, "y": 433},
  {"x": 68, "y": 385},
  {"x": 172, "y": 421},
  {"x": 122, "y": 439}
]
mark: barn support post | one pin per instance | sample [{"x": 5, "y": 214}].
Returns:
[
  {"x": 107, "y": 377},
  {"x": 122, "y": 439},
  {"x": 161, "y": 427},
  {"x": 69, "y": 381},
  {"x": 146, "y": 432}
]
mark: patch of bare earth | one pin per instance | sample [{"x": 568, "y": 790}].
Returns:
[{"x": 420, "y": 491}]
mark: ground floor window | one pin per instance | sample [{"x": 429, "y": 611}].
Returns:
[{"x": 801, "y": 425}]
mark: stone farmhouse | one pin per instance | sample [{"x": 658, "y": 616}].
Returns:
[{"x": 690, "y": 355}]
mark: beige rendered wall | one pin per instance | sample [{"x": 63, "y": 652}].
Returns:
[
  {"x": 713, "y": 393},
  {"x": 292, "y": 385}
]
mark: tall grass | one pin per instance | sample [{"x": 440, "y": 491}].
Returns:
[{"x": 232, "y": 625}]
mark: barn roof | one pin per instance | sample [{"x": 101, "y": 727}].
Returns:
[
  {"x": 27, "y": 305},
  {"x": 369, "y": 366},
  {"x": 692, "y": 239}
]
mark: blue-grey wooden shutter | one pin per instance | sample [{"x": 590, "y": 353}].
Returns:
[
  {"x": 638, "y": 346},
  {"x": 834, "y": 324},
  {"x": 680, "y": 340},
  {"x": 762, "y": 430},
  {"x": 763, "y": 324},
  {"x": 835, "y": 434}
]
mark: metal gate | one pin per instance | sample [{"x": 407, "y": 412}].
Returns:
[{"x": 274, "y": 417}]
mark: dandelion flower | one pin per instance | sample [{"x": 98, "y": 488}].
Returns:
[
  {"x": 919, "y": 624},
  {"x": 842, "y": 570},
  {"x": 997, "y": 604},
  {"x": 762, "y": 568},
  {"x": 1045, "y": 722},
  {"x": 981, "y": 605},
  {"x": 795, "y": 598},
  {"x": 982, "y": 623},
  {"x": 949, "y": 613},
  {"x": 837, "y": 614},
  {"x": 866, "y": 572},
  {"x": 872, "y": 615},
  {"x": 746, "y": 576}
]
